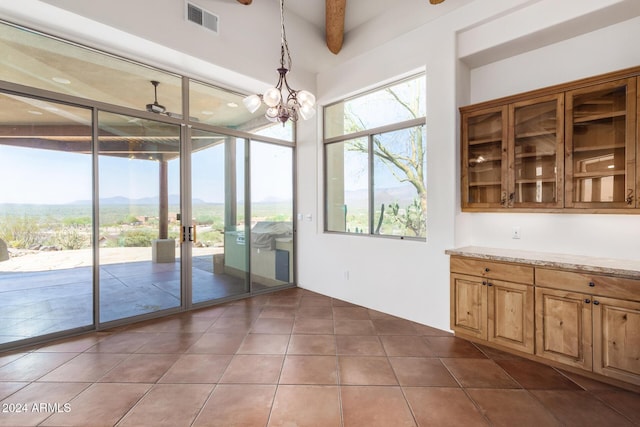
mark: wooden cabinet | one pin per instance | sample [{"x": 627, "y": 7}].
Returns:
[
  {"x": 484, "y": 307},
  {"x": 604, "y": 336},
  {"x": 584, "y": 320},
  {"x": 568, "y": 148},
  {"x": 600, "y": 145},
  {"x": 485, "y": 155}
]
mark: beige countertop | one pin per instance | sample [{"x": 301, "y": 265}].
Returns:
[{"x": 613, "y": 266}]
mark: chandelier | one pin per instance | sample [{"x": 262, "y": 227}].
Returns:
[{"x": 280, "y": 106}]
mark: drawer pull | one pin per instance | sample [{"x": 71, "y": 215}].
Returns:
[
  {"x": 587, "y": 301},
  {"x": 592, "y": 284},
  {"x": 486, "y": 269},
  {"x": 596, "y": 303},
  {"x": 484, "y": 283},
  {"x": 489, "y": 284}
]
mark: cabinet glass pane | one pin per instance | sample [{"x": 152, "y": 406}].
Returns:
[
  {"x": 485, "y": 158},
  {"x": 535, "y": 153},
  {"x": 599, "y": 156}
]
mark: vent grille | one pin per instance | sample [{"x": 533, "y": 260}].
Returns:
[{"x": 202, "y": 17}]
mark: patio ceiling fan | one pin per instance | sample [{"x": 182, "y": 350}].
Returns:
[
  {"x": 156, "y": 107},
  {"x": 334, "y": 21}
]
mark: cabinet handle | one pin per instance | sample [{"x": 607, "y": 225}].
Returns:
[
  {"x": 489, "y": 284},
  {"x": 630, "y": 196},
  {"x": 503, "y": 200},
  {"x": 592, "y": 284},
  {"x": 596, "y": 303},
  {"x": 484, "y": 283},
  {"x": 512, "y": 196},
  {"x": 486, "y": 270},
  {"x": 587, "y": 301}
]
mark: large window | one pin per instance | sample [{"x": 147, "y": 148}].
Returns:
[{"x": 375, "y": 157}]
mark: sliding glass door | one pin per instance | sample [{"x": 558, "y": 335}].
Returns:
[
  {"x": 46, "y": 279},
  {"x": 139, "y": 225}
]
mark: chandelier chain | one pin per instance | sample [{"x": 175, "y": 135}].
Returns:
[{"x": 284, "y": 46}]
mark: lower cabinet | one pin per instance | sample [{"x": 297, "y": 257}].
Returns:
[
  {"x": 564, "y": 327},
  {"x": 590, "y": 322},
  {"x": 494, "y": 310}
]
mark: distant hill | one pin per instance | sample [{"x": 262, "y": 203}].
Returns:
[{"x": 174, "y": 199}]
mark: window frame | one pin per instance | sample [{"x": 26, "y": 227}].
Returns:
[{"x": 370, "y": 135}]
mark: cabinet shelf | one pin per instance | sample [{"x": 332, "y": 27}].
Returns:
[
  {"x": 535, "y": 180},
  {"x": 487, "y": 140},
  {"x": 598, "y": 148},
  {"x": 599, "y": 116},
  {"x": 535, "y": 134},
  {"x": 587, "y": 175},
  {"x": 485, "y": 183},
  {"x": 538, "y": 154}
]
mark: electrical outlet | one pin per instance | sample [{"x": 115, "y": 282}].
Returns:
[{"x": 515, "y": 233}]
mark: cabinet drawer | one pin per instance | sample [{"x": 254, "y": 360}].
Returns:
[
  {"x": 493, "y": 270},
  {"x": 588, "y": 283}
]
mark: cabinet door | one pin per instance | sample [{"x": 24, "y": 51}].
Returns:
[
  {"x": 510, "y": 315},
  {"x": 536, "y": 153},
  {"x": 563, "y": 327},
  {"x": 616, "y": 339},
  {"x": 469, "y": 306},
  {"x": 600, "y": 146},
  {"x": 484, "y": 158}
]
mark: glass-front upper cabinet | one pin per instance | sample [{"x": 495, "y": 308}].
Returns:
[
  {"x": 484, "y": 152},
  {"x": 535, "y": 152},
  {"x": 600, "y": 145}
]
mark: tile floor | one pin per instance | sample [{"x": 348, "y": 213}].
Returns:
[{"x": 293, "y": 358}]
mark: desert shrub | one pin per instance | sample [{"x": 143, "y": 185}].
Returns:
[
  {"x": 137, "y": 238},
  {"x": 71, "y": 238},
  {"x": 21, "y": 232}
]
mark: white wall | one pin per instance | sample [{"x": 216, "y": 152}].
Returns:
[{"x": 591, "y": 54}]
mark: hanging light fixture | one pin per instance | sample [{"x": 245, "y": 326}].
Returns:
[{"x": 282, "y": 107}]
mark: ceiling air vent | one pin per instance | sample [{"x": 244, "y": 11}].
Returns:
[{"x": 201, "y": 17}]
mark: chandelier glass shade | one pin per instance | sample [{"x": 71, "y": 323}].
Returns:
[{"x": 288, "y": 105}]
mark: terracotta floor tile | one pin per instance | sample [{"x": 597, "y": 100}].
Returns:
[
  {"x": 479, "y": 373},
  {"x": 169, "y": 342},
  {"x": 255, "y": 369},
  {"x": 312, "y": 345},
  {"x": 510, "y": 408},
  {"x": 310, "y": 370},
  {"x": 33, "y": 365},
  {"x": 12, "y": 356},
  {"x": 354, "y": 345},
  {"x": 72, "y": 345},
  {"x": 443, "y": 407},
  {"x": 453, "y": 347},
  {"x": 579, "y": 409},
  {"x": 394, "y": 327},
  {"x": 8, "y": 388},
  {"x": 237, "y": 405},
  {"x": 422, "y": 371},
  {"x": 532, "y": 375},
  {"x": 374, "y": 314},
  {"x": 197, "y": 368},
  {"x": 57, "y": 395},
  {"x": 363, "y": 370},
  {"x": 350, "y": 313},
  {"x": 100, "y": 405},
  {"x": 310, "y": 325},
  {"x": 405, "y": 345},
  {"x": 315, "y": 301},
  {"x": 277, "y": 312},
  {"x": 264, "y": 344},
  {"x": 495, "y": 354},
  {"x": 625, "y": 402},
  {"x": 341, "y": 303},
  {"x": 85, "y": 367},
  {"x": 353, "y": 327},
  {"x": 306, "y": 406},
  {"x": 122, "y": 342},
  {"x": 211, "y": 312},
  {"x": 231, "y": 325},
  {"x": 243, "y": 312},
  {"x": 429, "y": 331},
  {"x": 141, "y": 368},
  {"x": 587, "y": 383},
  {"x": 314, "y": 312},
  {"x": 375, "y": 407},
  {"x": 284, "y": 301},
  {"x": 272, "y": 326},
  {"x": 158, "y": 406},
  {"x": 213, "y": 343}
]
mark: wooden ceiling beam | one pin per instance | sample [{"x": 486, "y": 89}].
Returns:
[{"x": 334, "y": 24}]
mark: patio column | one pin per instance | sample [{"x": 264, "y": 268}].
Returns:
[{"x": 163, "y": 232}]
